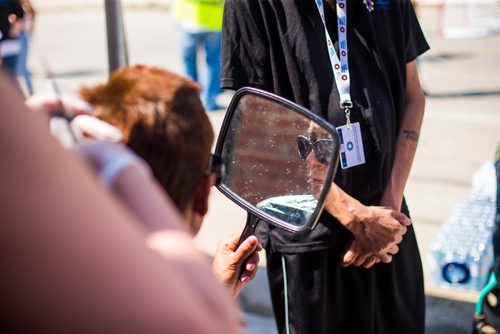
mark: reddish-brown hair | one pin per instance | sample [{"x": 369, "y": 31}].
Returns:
[{"x": 163, "y": 120}]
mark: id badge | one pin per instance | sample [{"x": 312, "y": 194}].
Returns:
[{"x": 351, "y": 146}]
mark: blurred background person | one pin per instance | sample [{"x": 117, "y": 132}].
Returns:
[
  {"x": 24, "y": 39},
  {"x": 11, "y": 25},
  {"x": 200, "y": 25}
]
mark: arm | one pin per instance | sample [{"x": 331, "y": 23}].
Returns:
[
  {"x": 407, "y": 141},
  {"x": 130, "y": 179},
  {"x": 378, "y": 230},
  {"x": 134, "y": 185},
  {"x": 92, "y": 268}
]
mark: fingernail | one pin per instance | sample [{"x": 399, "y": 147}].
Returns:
[
  {"x": 250, "y": 266},
  {"x": 251, "y": 241},
  {"x": 245, "y": 279},
  {"x": 348, "y": 257}
]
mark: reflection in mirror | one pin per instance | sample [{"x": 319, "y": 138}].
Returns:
[{"x": 279, "y": 160}]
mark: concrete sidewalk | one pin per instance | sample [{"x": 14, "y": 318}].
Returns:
[{"x": 461, "y": 127}]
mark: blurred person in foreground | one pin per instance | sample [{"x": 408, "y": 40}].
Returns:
[
  {"x": 74, "y": 257},
  {"x": 351, "y": 62},
  {"x": 161, "y": 118}
]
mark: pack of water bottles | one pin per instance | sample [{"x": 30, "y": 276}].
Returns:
[{"x": 462, "y": 253}]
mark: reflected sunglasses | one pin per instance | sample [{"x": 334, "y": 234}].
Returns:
[
  {"x": 322, "y": 148},
  {"x": 216, "y": 166}
]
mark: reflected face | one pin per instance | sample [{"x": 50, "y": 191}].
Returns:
[
  {"x": 317, "y": 175},
  {"x": 322, "y": 148},
  {"x": 316, "y": 152}
]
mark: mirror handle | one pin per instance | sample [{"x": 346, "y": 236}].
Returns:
[{"x": 249, "y": 230}]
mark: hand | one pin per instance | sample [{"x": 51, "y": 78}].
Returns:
[
  {"x": 358, "y": 255},
  {"x": 376, "y": 237},
  {"x": 87, "y": 127},
  {"x": 110, "y": 159},
  {"x": 228, "y": 261},
  {"x": 50, "y": 103},
  {"x": 82, "y": 125}
]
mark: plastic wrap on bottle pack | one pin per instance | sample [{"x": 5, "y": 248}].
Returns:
[
  {"x": 484, "y": 186},
  {"x": 462, "y": 253}
]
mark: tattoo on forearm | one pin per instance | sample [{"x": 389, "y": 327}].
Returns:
[{"x": 411, "y": 135}]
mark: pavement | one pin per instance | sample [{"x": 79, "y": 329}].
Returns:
[{"x": 461, "y": 128}]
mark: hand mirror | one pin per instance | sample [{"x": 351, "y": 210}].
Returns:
[{"x": 280, "y": 159}]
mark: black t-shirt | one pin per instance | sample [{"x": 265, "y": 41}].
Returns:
[{"x": 280, "y": 46}]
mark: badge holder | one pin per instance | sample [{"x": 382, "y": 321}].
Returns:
[{"x": 351, "y": 143}]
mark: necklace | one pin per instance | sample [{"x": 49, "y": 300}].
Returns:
[{"x": 370, "y": 5}]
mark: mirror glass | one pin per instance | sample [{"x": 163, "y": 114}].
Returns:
[{"x": 279, "y": 159}]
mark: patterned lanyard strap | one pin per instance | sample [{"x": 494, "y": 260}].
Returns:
[{"x": 340, "y": 66}]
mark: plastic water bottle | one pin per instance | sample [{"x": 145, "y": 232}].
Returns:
[{"x": 462, "y": 253}]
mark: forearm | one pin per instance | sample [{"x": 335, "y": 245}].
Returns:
[
  {"x": 406, "y": 144},
  {"x": 166, "y": 234},
  {"x": 131, "y": 181},
  {"x": 147, "y": 201},
  {"x": 346, "y": 209},
  {"x": 158, "y": 215},
  {"x": 406, "y": 147}
]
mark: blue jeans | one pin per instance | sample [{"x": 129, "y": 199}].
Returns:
[
  {"x": 22, "y": 60},
  {"x": 211, "y": 40},
  {"x": 9, "y": 65}
]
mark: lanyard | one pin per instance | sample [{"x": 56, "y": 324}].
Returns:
[{"x": 340, "y": 66}]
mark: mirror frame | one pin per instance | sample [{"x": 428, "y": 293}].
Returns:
[{"x": 313, "y": 220}]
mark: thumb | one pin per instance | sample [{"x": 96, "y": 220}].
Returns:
[
  {"x": 246, "y": 248},
  {"x": 349, "y": 258},
  {"x": 403, "y": 219},
  {"x": 349, "y": 255},
  {"x": 231, "y": 242}
]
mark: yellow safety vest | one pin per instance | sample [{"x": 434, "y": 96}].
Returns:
[{"x": 204, "y": 14}]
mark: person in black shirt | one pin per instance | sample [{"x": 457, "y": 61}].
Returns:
[
  {"x": 359, "y": 270},
  {"x": 10, "y": 10},
  {"x": 11, "y": 22}
]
